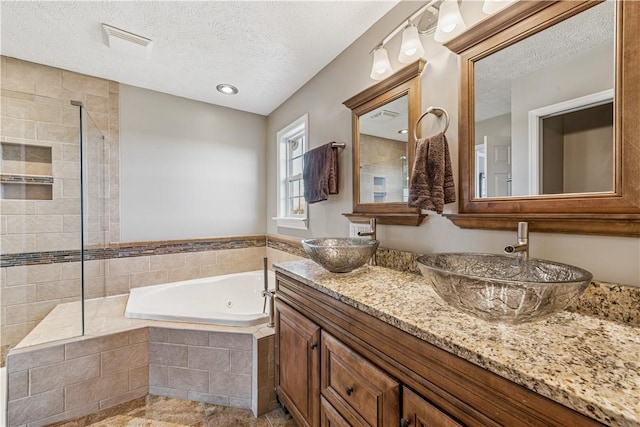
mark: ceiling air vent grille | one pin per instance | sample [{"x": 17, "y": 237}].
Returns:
[
  {"x": 124, "y": 41},
  {"x": 383, "y": 116}
]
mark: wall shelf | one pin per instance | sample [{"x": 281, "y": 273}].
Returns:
[
  {"x": 627, "y": 225},
  {"x": 27, "y": 172}
]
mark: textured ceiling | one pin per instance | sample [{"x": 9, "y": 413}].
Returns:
[
  {"x": 571, "y": 38},
  {"x": 267, "y": 49}
]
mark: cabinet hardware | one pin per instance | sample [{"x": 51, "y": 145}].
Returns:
[
  {"x": 349, "y": 390},
  {"x": 313, "y": 345},
  {"x": 405, "y": 422}
]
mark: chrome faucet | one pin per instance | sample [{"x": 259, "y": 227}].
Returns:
[
  {"x": 522, "y": 245},
  {"x": 372, "y": 233}
]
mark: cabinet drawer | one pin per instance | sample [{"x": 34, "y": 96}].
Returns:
[
  {"x": 329, "y": 417},
  {"x": 417, "y": 412},
  {"x": 362, "y": 393}
]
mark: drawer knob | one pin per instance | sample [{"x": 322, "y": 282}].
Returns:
[
  {"x": 313, "y": 345},
  {"x": 349, "y": 390},
  {"x": 405, "y": 422}
]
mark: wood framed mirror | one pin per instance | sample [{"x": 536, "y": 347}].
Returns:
[
  {"x": 384, "y": 148},
  {"x": 551, "y": 62}
]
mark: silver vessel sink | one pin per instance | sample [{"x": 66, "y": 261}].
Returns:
[
  {"x": 503, "y": 288},
  {"x": 340, "y": 255}
]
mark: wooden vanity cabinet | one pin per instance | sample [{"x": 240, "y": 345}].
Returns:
[{"x": 339, "y": 366}]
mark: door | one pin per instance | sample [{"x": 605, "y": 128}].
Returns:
[
  {"x": 298, "y": 365},
  {"x": 498, "y": 165}
]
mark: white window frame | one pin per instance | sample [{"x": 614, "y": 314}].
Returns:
[{"x": 284, "y": 218}]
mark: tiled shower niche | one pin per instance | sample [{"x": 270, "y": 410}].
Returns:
[{"x": 26, "y": 172}]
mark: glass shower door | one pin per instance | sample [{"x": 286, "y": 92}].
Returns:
[{"x": 95, "y": 219}]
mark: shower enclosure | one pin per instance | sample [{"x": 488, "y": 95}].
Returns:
[{"x": 55, "y": 217}]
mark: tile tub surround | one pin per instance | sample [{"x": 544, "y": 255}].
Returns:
[
  {"x": 64, "y": 381},
  {"x": 588, "y": 364},
  {"x": 228, "y": 366},
  {"x": 33, "y": 284}
]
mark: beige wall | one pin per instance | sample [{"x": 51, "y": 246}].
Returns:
[
  {"x": 611, "y": 259},
  {"x": 189, "y": 169}
]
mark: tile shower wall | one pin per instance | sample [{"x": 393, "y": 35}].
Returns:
[{"x": 36, "y": 110}]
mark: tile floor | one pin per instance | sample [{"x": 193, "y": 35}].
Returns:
[{"x": 157, "y": 411}]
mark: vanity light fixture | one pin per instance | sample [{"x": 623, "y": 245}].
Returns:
[
  {"x": 440, "y": 16},
  {"x": 411, "y": 48},
  {"x": 227, "y": 89},
  {"x": 450, "y": 22}
]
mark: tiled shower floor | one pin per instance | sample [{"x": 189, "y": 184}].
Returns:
[{"x": 156, "y": 411}]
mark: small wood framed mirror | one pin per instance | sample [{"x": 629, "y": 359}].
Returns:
[{"x": 384, "y": 148}]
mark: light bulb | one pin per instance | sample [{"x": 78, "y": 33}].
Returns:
[
  {"x": 411, "y": 48},
  {"x": 450, "y": 21},
  {"x": 227, "y": 89},
  {"x": 381, "y": 68}
]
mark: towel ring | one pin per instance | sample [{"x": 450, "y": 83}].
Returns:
[{"x": 436, "y": 111}]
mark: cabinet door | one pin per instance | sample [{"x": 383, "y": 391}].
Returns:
[
  {"x": 362, "y": 393},
  {"x": 298, "y": 365},
  {"x": 417, "y": 412}
]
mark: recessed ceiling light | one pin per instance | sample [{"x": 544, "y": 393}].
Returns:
[
  {"x": 403, "y": 131},
  {"x": 227, "y": 89}
]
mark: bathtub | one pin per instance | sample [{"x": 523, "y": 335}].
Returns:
[{"x": 232, "y": 299}]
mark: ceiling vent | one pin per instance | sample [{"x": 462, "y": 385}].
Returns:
[
  {"x": 126, "y": 42},
  {"x": 383, "y": 116}
]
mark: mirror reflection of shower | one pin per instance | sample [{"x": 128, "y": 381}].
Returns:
[{"x": 385, "y": 180}]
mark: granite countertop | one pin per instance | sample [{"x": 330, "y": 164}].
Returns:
[{"x": 585, "y": 363}]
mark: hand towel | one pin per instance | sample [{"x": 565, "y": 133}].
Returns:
[
  {"x": 320, "y": 173},
  {"x": 432, "y": 180}
]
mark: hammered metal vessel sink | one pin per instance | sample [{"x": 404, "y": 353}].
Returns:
[
  {"x": 503, "y": 288},
  {"x": 340, "y": 255}
]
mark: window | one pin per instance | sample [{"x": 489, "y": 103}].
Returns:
[{"x": 292, "y": 207}]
